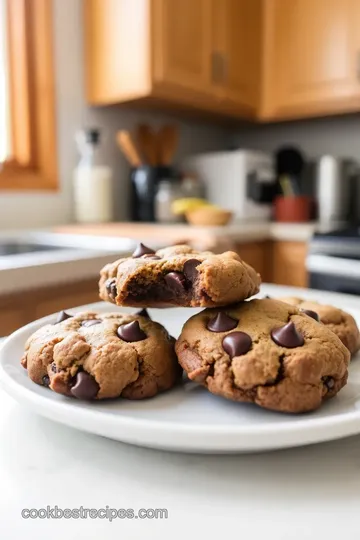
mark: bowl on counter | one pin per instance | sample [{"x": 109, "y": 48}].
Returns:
[{"x": 207, "y": 216}]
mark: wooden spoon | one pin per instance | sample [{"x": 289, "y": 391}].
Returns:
[{"x": 128, "y": 147}]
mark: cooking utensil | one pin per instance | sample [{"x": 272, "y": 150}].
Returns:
[
  {"x": 147, "y": 141},
  {"x": 128, "y": 147},
  {"x": 168, "y": 137}
]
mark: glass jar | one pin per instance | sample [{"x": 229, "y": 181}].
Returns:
[{"x": 168, "y": 191}]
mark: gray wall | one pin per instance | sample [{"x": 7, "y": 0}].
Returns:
[
  {"x": 339, "y": 136},
  {"x": 44, "y": 209}
]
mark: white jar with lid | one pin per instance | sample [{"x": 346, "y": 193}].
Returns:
[{"x": 93, "y": 181}]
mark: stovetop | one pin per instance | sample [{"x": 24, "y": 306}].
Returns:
[{"x": 343, "y": 243}]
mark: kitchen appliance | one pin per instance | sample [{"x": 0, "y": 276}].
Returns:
[
  {"x": 333, "y": 261},
  {"x": 241, "y": 181},
  {"x": 334, "y": 189}
]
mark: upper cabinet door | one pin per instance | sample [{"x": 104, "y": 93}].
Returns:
[
  {"x": 311, "y": 50},
  {"x": 181, "y": 36},
  {"x": 242, "y": 48}
]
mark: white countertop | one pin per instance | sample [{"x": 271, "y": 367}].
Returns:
[{"x": 299, "y": 494}]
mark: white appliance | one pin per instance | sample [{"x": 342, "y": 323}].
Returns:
[{"x": 235, "y": 180}]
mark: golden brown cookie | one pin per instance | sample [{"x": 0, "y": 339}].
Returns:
[
  {"x": 266, "y": 352},
  {"x": 107, "y": 355},
  {"x": 178, "y": 276},
  {"x": 339, "y": 321}
]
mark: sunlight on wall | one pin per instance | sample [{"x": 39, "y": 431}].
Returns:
[{"x": 4, "y": 94}]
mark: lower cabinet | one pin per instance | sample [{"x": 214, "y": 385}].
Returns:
[
  {"x": 277, "y": 262},
  {"x": 21, "y": 308},
  {"x": 288, "y": 264}
]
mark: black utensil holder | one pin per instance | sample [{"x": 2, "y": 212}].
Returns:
[{"x": 144, "y": 183}]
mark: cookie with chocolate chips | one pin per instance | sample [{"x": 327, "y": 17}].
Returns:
[
  {"x": 266, "y": 352},
  {"x": 178, "y": 276},
  {"x": 339, "y": 321},
  {"x": 96, "y": 356}
]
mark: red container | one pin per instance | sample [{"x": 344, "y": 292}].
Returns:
[{"x": 295, "y": 209}]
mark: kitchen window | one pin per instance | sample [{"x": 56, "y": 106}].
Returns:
[{"x": 27, "y": 104}]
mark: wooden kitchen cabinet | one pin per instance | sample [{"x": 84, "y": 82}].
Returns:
[
  {"x": 199, "y": 54},
  {"x": 310, "y": 58},
  {"x": 258, "y": 255},
  {"x": 237, "y": 39},
  {"x": 288, "y": 263},
  {"x": 21, "y": 308}
]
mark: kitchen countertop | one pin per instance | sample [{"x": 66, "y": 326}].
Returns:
[
  {"x": 240, "y": 232},
  {"x": 297, "y": 494}
]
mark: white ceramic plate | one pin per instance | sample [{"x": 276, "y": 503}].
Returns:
[{"x": 188, "y": 419}]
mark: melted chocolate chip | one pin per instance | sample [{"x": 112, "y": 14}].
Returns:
[
  {"x": 190, "y": 270},
  {"x": 143, "y": 313},
  {"x": 46, "y": 380},
  {"x": 62, "y": 316},
  {"x": 53, "y": 367},
  {"x": 329, "y": 382},
  {"x": 142, "y": 250},
  {"x": 287, "y": 336},
  {"x": 311, "y": 313},
  {"x": 111, "y": 288},
  {"x": 221, "y": 323},
  {"x": 176, "y": 281},
  {"x": 236, "y": 344},
  {"x": 85, "y": 386},
  {"x": 131, "y": 332},
  {"x": 90, "y": 322}
]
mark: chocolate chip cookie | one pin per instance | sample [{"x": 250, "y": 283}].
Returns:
[
  {"x": 340, "y": 322},
  {"x": 178, "y": 276},
  {"x": 266, "y": 352},
  {"x": 97, "y": 356}
]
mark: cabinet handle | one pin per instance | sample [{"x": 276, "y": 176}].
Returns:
[
  {"x": 216, "y": 67},
  {"x": 225, "y": 68}
]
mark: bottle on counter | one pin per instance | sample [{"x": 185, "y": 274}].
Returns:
[
  {"x": 167, "y": 192},
  {"x": 93, "y": 195},
  {"x": 192, "y": 187}
]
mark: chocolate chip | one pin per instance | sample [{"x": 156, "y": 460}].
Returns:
[
  {"x": 311, "y": 313},
  {"x": 46, "y": 380},
  {"x": 267, "y": 296},
  {"x": 142, "y": 250},
  {"x": 176, "y": 281},
  {"x": 151, "y": 257},
  {"x": 111, "y": 288},
  {"x": 91, "y": 322},
  {"x": 287, "y": 336},
  {"x": 143, "y": 313},
  {"x": 236, "y": 344},
  {"x": 221, "y": 323},
  {"x": 53, "y": 367},
  {"x": 131, "y": 332},
  {"x": 62, "y": 316},
  {"x": 85, "y": 386},
  {"x": 190, "y": 270},
  {"x": 329, "y": 382}
]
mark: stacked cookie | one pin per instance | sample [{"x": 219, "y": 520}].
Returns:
[{"x": 268, "y": 352}]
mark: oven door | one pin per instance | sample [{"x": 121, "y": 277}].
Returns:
[{"x": 333, "y": 273}]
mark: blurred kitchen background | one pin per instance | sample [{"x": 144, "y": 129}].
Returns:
[{"x": 226, "y": 124}]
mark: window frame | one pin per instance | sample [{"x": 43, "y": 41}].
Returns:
[{"x": 33, "y": 163}]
